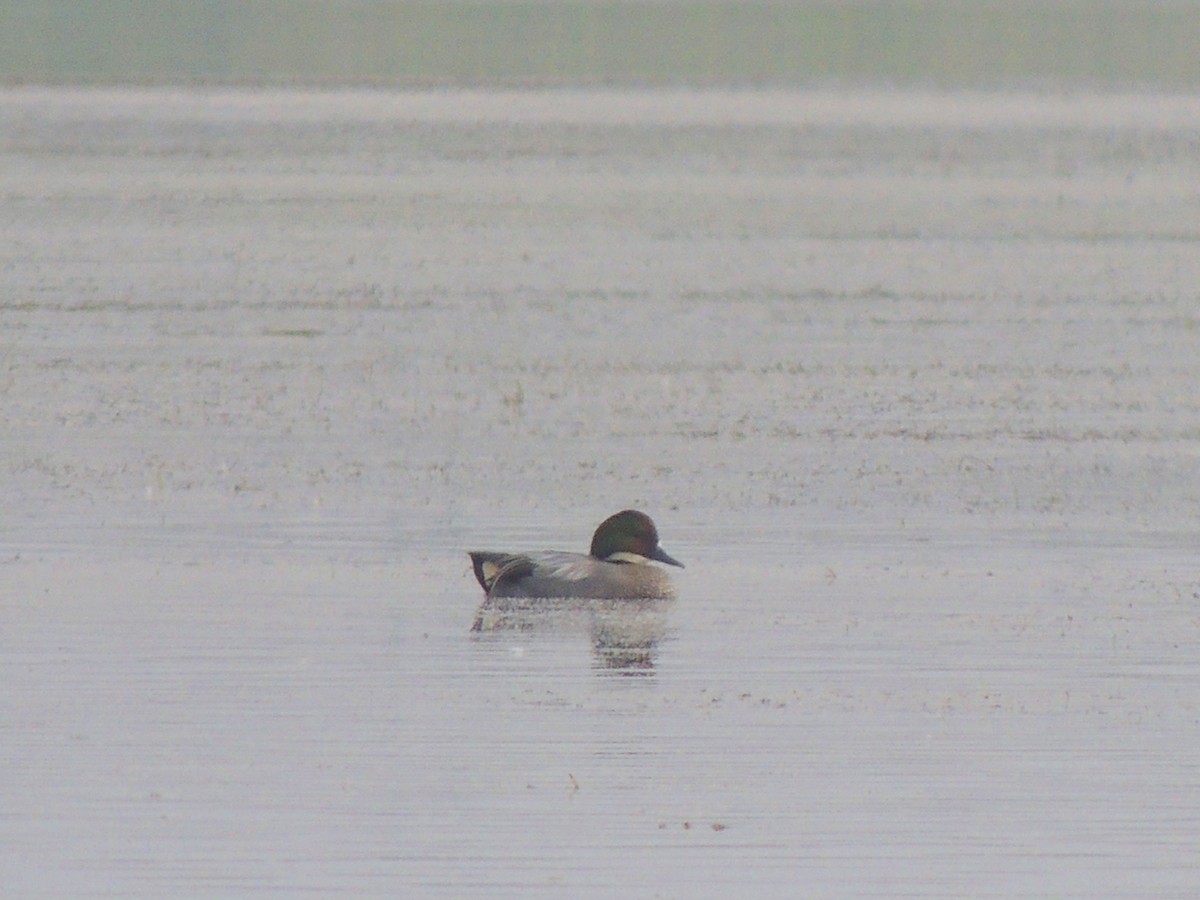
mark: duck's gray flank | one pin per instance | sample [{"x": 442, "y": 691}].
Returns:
[{"x": 617, "y": 566}]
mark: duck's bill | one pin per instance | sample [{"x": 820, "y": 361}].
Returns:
[{"x": 664, "y": 557}]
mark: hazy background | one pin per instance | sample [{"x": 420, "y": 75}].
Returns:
[{"x": 938, "y": 44}]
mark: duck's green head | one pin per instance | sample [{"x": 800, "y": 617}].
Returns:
[{"x": 628, "y": 534}]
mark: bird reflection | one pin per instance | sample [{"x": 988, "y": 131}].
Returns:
[{"x": 624, "y": 634}]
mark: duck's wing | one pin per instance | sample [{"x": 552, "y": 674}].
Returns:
[
  {"x": 492, "y": 567},
  {"x": 550, "y": 573},
  {"x": 558, "y": 574}
]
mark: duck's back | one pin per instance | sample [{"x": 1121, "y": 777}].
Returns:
[{"x": 559, "y": 574}]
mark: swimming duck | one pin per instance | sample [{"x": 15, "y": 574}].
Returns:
[{"x": 617, "y": 567}]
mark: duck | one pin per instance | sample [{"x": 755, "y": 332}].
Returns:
[{"x": 617, "y": 567}]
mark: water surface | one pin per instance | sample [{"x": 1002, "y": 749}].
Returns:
[{"x": 905, "y": 378}]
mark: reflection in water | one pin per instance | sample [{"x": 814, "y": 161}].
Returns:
[{"x": 625, "y": 634}]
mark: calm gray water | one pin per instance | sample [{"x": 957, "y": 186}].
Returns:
[{"x": 907, "y": 379}]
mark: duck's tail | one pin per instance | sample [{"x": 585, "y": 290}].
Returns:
[{"x": 487, "y": 566}]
